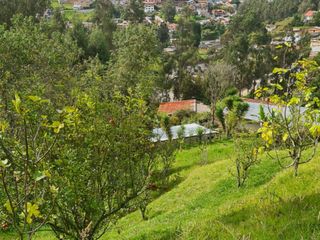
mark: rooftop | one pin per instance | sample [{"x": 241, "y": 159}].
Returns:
[
  {"x": 190, "y": 130},
  {"x": 171, "y": 107}
]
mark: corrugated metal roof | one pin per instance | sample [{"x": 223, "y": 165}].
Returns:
[
  {"x": 190, "y": 130},
  {"x": 254, "y": 108}
]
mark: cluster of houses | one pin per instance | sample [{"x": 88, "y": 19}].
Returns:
[{"x": 298, "y": 33}]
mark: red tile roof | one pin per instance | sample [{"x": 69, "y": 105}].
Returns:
[
  {"x": 171, "y": 107},
  {"x": 309, "y": 13}
]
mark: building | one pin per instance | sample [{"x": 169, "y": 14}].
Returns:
[
  {"x": 188, "y": 130},
  {"x": 188, "y": 105},
  {"x": 255, "y": 105},
  {"x": 315, "y": 47},
  {"x": 149, "y": 8},
  {"x": 308, "y": 16}
]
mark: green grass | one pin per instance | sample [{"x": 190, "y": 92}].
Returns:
[
  {"x": 206, "y": 204},
  {"x": 282, "y": 27}
]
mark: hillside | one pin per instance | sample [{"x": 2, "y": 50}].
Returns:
[{"x": 208, "y": 205}]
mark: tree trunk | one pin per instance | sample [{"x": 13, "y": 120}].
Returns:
[
  {"x": 296, "y": 165},
  {"x": 213, "y": 112}
]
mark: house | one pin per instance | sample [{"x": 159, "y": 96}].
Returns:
[
  {"x": 308, "y": 16},
  {"x": 255, "y": 105},
  {"x": 315, "y": 47},
  {"x": 189, "y": 131},
  {"x": 218, "y": 12},
  {"x": 149, "y": 8},
  {"x": 191, "y": 105}
]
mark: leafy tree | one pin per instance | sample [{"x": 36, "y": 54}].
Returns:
[
  {"x": 134, "y": 11},
  {"x": 247, "y": 48},
  {"x": 135, "y": 63},
  {"x": 104, "y": 161},
  {"x": 27, "y": 137},
  {"x": 80, "y": 34},
  {"x": 219, "y": 77},
  {"x": 293, "y": 130},
  {"x": 34, "y": 63},
  {"x": 58, "y": 23},
  {"x": 230, "y": 111},
  {"x": 212, "y": 31},
  {"x": 316, "y": 19},
  {"x": 34, "y": 8},
  {"x": 163, "y": 34},
  {"x": 104, "y": 14},
  {"x": 97, "y": 45},
  {"x": 246, "y": 152},
  {"x": 188, "y": 37},
  {"x": 168, "y": 10}
]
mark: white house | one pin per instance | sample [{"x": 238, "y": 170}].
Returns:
[{"x": 149, "y": 8}]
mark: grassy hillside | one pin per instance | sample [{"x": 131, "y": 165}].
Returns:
[{"x": 206, "y": 204}]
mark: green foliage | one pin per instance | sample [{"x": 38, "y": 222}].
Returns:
[
  {"x": 135, "y": 64},
  {"x": 229, "y": 112},
  {"x": 104, "y": 162},
  {"x": 28, "y": 132},
  {"x": 246, "y": 151},
  {"x": 33, "y": 63},
  {"x": 212, "y": 31},
  {"x": 134, "y": 11},
  {"x": 26, "y": 8},
  {"x": 247, "y": 47},
  {"x": 293, "y": 126},
  {"x": 168, "y": 10}
]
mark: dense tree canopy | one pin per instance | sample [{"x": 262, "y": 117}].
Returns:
[{"x": 9, "y": 8}]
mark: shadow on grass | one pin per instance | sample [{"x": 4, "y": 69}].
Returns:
[{"x": 295, "y": 218}]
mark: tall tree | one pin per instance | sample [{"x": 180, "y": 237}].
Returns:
[
  {"x": 134, "y": 11},
  {"x": 219, "y": 77},
  {"x": 9, "y": 8},
  {"x": 135, "y": 63},
  {"x": 104, "y": 161},
  {"x": 246, "y": 47},
  {"x": 188, "y": 37},
  {"x": 168, "y": 10},
  {"x": 34, "y": 63}
]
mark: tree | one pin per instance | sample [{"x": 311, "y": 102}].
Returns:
[
  {"x": 34, "y": 63},
  {"x": 104, "y": 161},
  {"x": 247, "y": 48},
  {"x": 134, "y": 11},
  {"x": 97, "y": 45},
  {"x": 163, "y": 34},
  {"x": 58, "y": 23},
  {"x": 187, "y": 40},
  {"x": 34, "y": 8},
  {"x": 168, "y": 10},
  {"x": 246, "y": 152},
  {"x": 316, "y": 19},
  {"x": 28, "y": 133},
  {"x": 104, "y": 14},
  {"x": 230, "y": 111},
  {"x": 219, "y": 77},
  {"x": 292, "y": 130},
  {"x": 135, "y": 62}
]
